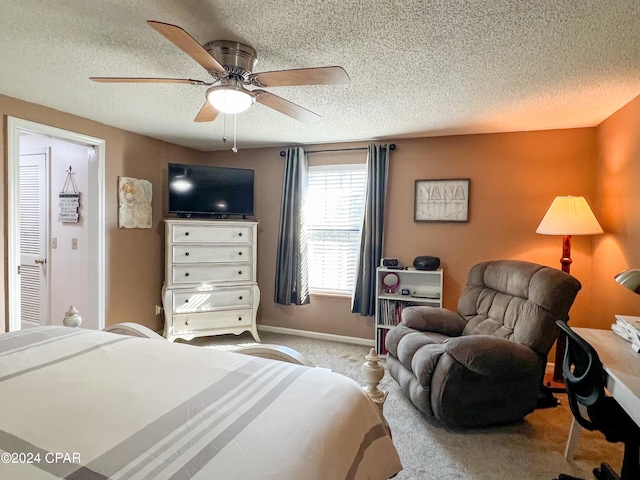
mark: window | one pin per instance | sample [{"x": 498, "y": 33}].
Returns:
[{"x": 334, "y": 210}]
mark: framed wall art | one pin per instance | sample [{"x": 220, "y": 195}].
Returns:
[
  {"x": 441, "y": 200},
  {"x": 134, "y": 198}
]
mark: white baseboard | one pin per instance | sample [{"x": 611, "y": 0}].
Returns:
[{"x": 321, "y": 336}]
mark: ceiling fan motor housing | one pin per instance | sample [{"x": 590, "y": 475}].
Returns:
[{"x": 237, "y": 58}]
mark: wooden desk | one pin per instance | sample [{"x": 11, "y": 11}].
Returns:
[{"x": 622, "y": 366}]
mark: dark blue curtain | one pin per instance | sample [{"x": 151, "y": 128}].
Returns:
[
  {"x": 363, "y": 300},
  {"x": 292, "y": 278}
]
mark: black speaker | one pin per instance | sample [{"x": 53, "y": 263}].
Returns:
[
  {"x": 426, "y": 263},
  {"x": 389, "y": 262}
]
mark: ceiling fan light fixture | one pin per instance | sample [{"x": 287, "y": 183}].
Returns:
[{"x": 229, "y": 99}]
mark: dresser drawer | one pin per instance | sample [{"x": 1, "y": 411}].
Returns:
[
  {"x": 211, "y": 233},
  {"x": 190, "y": 301},
  {"x": 212, "y": 253},
  {"x": 185, "y": 274},
  {"x": 194, "y": 322}
]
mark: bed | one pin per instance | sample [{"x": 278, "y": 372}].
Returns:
[{"x": 85, "y": 404}]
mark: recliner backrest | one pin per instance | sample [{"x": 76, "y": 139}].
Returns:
[{"x": 518, "y": 301}]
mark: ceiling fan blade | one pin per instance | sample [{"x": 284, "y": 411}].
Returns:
[
  {"x": 207, "y": 113},
  {"x": 188, "y": 45},
  {"x": 285, "y": 106},
  {"x": 146, "y": 80},
  {"x": 301, "y": 76}
]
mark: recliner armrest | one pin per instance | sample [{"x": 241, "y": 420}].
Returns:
[
  {"x": 492, "y": 356},
  {"x": 432, "y": 319}
]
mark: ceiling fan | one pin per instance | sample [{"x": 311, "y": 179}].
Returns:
[{"x": 231, "y": 66}]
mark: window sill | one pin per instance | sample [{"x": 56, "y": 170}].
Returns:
[{"x": 330, "y": 294}]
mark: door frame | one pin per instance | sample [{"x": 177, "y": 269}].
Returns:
[{"x": 95, "y": 216}]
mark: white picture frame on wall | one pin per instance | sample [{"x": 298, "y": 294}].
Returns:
[
  {"x": 134, "y": 203},
  {"x": 441, "y": 200}
]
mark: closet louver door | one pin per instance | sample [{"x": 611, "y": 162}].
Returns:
[{"x": 33, "y": 210}]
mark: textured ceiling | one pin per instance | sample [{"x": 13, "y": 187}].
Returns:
[{"x": 417, "y": 68}]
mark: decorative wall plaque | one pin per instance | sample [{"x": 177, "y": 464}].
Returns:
[
  {"x": 134, "y": 196},
  {"x": 445, "y": 200},
  {"x": 69, "y": 200}
]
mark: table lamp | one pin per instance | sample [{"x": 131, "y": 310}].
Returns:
[
  {"x": 567, "y": 216},
  {"x": 630, "y": 279}
]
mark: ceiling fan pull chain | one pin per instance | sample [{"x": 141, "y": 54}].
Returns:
[
  {"x": 235, "y": 127},
  {"x": 224, "y": 128}
]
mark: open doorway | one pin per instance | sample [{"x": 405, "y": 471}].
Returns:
[{"x": 82, "y": 242}]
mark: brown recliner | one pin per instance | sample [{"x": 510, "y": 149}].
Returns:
[{"x": 483, "y": 365}]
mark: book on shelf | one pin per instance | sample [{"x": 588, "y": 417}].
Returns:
[
  {"x": 390, "y": 311},
  {"x": 382, "y": 349}
]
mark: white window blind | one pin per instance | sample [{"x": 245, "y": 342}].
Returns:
[{"x": 334, "y": 210}]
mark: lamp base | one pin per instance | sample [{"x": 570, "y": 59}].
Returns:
[{"x": 553, "y": 384}]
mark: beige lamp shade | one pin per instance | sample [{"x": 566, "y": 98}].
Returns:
[
  {"x": 630, "y": 279},
  {"x": 569, "y": 216}
]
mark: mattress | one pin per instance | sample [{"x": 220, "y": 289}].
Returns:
[{"x": 85, "y": 404}]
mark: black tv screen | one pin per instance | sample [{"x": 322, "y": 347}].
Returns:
[{"x": 208, "y": 190}]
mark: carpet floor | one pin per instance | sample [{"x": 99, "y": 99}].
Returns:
[{"x": 530, "y": 449}]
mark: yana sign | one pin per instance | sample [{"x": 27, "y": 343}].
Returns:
[{"x": 445, "y": 200}]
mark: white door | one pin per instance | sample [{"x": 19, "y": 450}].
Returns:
[{"x": 33, "y": 239}]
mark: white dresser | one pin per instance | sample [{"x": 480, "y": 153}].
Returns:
[{"x": 210, "y": 283}]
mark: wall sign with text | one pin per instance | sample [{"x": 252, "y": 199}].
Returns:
[
  {"x": 442, "y": 200},
  {"x": 69, "y": 204},
  {"x": 69, "y": 200}
]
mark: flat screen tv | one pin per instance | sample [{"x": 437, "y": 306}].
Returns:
[{"x": 204, "y": 190}]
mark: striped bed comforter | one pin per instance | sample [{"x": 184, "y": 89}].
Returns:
[{"x": 84, "y": 404}]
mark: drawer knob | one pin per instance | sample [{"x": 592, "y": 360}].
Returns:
[
  {"x": 240, "y": 272},
  {"x": 186, "y": 322},
  {"x": 240, "y": 297},
  {"x": 186, "y": 234},
  {"x": 239, "y": 253},
  {"x": 186, "y": 254},
  {"x": 186, "y": 301},
  {"x": 240, "y": 234},
  {"x": 186, "y": 274},
  {"x": 239, "y": 319}
]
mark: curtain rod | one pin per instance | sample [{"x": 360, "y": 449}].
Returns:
[{"x": 391, "y": 147}]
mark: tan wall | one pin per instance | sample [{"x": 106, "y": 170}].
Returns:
[
  {"x": 324, "y": 314},
  {"x": 514, "y": 178},
  {"x": 619, "y": 210},
  {"x": 135, "y": 257}
]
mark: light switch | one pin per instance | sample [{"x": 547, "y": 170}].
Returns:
[
  {"x": 74, "y": 243},
  {"x": 54, "y": 242}
]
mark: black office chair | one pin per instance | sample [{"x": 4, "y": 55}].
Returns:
[{"x": 593, "y": 409}]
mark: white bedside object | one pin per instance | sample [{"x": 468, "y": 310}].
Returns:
[{"x": 72, "y": 318}]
